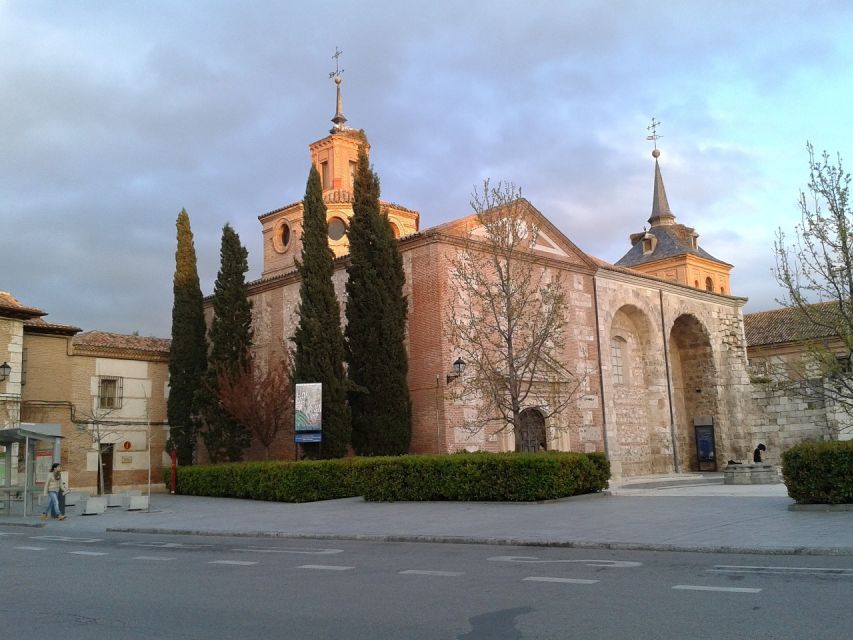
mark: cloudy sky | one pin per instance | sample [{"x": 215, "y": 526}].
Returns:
[{"x": 115, "y": 115}]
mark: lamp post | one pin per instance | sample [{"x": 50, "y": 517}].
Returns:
[
  {"x": 5, "y": 371},
  {"x": 458, "y": 368}
]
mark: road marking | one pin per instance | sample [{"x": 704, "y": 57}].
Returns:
[
  {"x": 423, "y": 572},
  {"x": 241, "y": 563},
  {"x": 319, "y": 552},
  {"x": 16, "y": 533},
  {"x": 325, "y": 567},
  {"x": 152, "y": 558},
  {"x": 30, "y": 548},
  {"x": 564, "y": 580},
  {"x": 616, "y": 564},
  {"x": 67, "y": 539},
  {"x": 693, "y": 587},
  {"x": 165, "y": 545},
  {"x": 88, "y": 553},
  {"x": 816, "y": 571}
]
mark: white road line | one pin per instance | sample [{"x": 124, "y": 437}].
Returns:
[
  {"x": 693, "y": 587},
  {"x": 16, "y": 533},
  {"x": 319, "y": 552},
  {"x": 325, "y": 567},
  {"x": 152, "y": 558},
  {"x": 614, "y": 564},
  {"x": 67, "y": 539},
  {"x": 423, "y": 572},
  {"x": 237, "y": 562},
  {"x": 733, "y": 568},
  {"x": 88, "y": 553},
  {"x": 165, "y": 545},
  {"x": 30, "y": 548},
  {"x": 563, "y": 580}
]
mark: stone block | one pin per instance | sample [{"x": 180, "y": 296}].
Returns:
[
  {"x": 756, "y": 473},
  {"x": 93, "y": 506},
  {"x": 137, "y": 503}
]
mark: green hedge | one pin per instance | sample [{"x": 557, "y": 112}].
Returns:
[
  {"x": 514, "y": 477},
  {"x": 820, "y": 472},
  {"x": 464, "y": 477},
  {"x": 278, "y": 481}
]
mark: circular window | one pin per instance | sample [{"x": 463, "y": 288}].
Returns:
[
  {"x": 282, "y": 235},
  {"x": 337, "y": 228}
]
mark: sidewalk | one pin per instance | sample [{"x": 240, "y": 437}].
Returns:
[{"x": 679, "y": 516}]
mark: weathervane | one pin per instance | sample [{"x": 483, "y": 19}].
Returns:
[
  {"x": 653, "y": 127},
  {"x": 339, "y": 118},
  {"x": 338, "y": 71}
]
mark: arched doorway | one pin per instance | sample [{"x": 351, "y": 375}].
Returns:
[
  {"x": 531, "y": 434},
  {"x": 694, "y": 384}
]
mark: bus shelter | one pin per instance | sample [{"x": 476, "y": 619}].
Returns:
[{"x": 22, "y": 450}]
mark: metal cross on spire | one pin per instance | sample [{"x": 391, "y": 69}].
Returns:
[
  {"x": 340, "y": 118},
  {"x": 653, "y": 127},
  {"x": 338, "y": 71}
]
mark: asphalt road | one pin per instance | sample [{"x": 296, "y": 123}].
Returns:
[{"x": 144, "y": 586}]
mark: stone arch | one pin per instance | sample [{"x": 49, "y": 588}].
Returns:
[
  {"x": 694, "y": 384},
  {"x": 531, "y": 434},
  {"x": 638, "y": 410}
]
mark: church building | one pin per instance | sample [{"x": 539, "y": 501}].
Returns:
[{"x": 658, "y": 334}]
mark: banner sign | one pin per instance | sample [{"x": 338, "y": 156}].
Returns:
[{"x": 309, "y": 411}]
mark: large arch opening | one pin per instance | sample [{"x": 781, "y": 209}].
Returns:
[
  {"x": 638, "y": 420},
  {"x": 531, "y": 435},
  {"x": 694, "y": 387}
]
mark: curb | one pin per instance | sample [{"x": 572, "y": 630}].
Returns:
[
  {"x": 820, "y": 507},
  {"x": 518, "y": 542}
]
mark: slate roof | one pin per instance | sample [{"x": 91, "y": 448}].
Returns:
[
  {"x": 790, "y": 324},
  {"x": 106, "y": 340},
  {"x": 672, "y": 240}
]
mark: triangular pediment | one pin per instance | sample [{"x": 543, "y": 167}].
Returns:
[{"x": 546, "y": 242}]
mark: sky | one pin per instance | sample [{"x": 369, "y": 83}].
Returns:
[{"x": 117, "y": 114}]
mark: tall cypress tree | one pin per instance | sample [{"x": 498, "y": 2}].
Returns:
[
  {"x": 376, "y": 325},
  {"x": 318, "y": 338},
  {"x": 188, "y": 351},
  {"x": 231, "y": 340}
]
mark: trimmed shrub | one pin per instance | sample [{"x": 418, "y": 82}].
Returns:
[
  {"x": 278, "y": 481},
  {"x": 513, "y": 477},
  {"x": 819, "y": 472}
]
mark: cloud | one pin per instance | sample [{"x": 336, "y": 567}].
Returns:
[{"x": 119, "y": 114}]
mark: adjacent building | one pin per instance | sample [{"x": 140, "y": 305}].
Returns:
[{"x": 107, "y": 391}]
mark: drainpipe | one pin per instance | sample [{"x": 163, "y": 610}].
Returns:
[{"x": 668, "y": 386}]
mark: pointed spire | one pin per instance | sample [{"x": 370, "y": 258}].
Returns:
[
  {"x": 339, "y": 119},
  {"x": 661, "y": 213}
]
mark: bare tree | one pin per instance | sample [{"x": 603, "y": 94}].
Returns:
[
  {"x": 260, "y": 398},
  {"x": 507, "y": 317},
  {"x": 815, "y": 271}
]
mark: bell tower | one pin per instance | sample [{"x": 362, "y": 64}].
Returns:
[
  {"x": 670, "y": 250},
  {"x": 335, "y": 157}
]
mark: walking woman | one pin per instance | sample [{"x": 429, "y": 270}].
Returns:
[{"x": 52, "y": 488}]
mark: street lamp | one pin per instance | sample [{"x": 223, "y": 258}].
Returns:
[
  {"x": 458, "y": 368},
  {"x": 5, "y": 370}
]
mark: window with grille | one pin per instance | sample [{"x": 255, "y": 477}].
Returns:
[
  {"x": 616, "y": 353},
  {"x": 109, "y": 392}
]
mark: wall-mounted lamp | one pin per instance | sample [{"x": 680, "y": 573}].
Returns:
[
  {"x": 5, "y": 370},
  {"x": 458, "y": 368}
]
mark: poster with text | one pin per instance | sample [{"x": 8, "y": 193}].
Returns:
[{"x": 309, "y": 406}]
